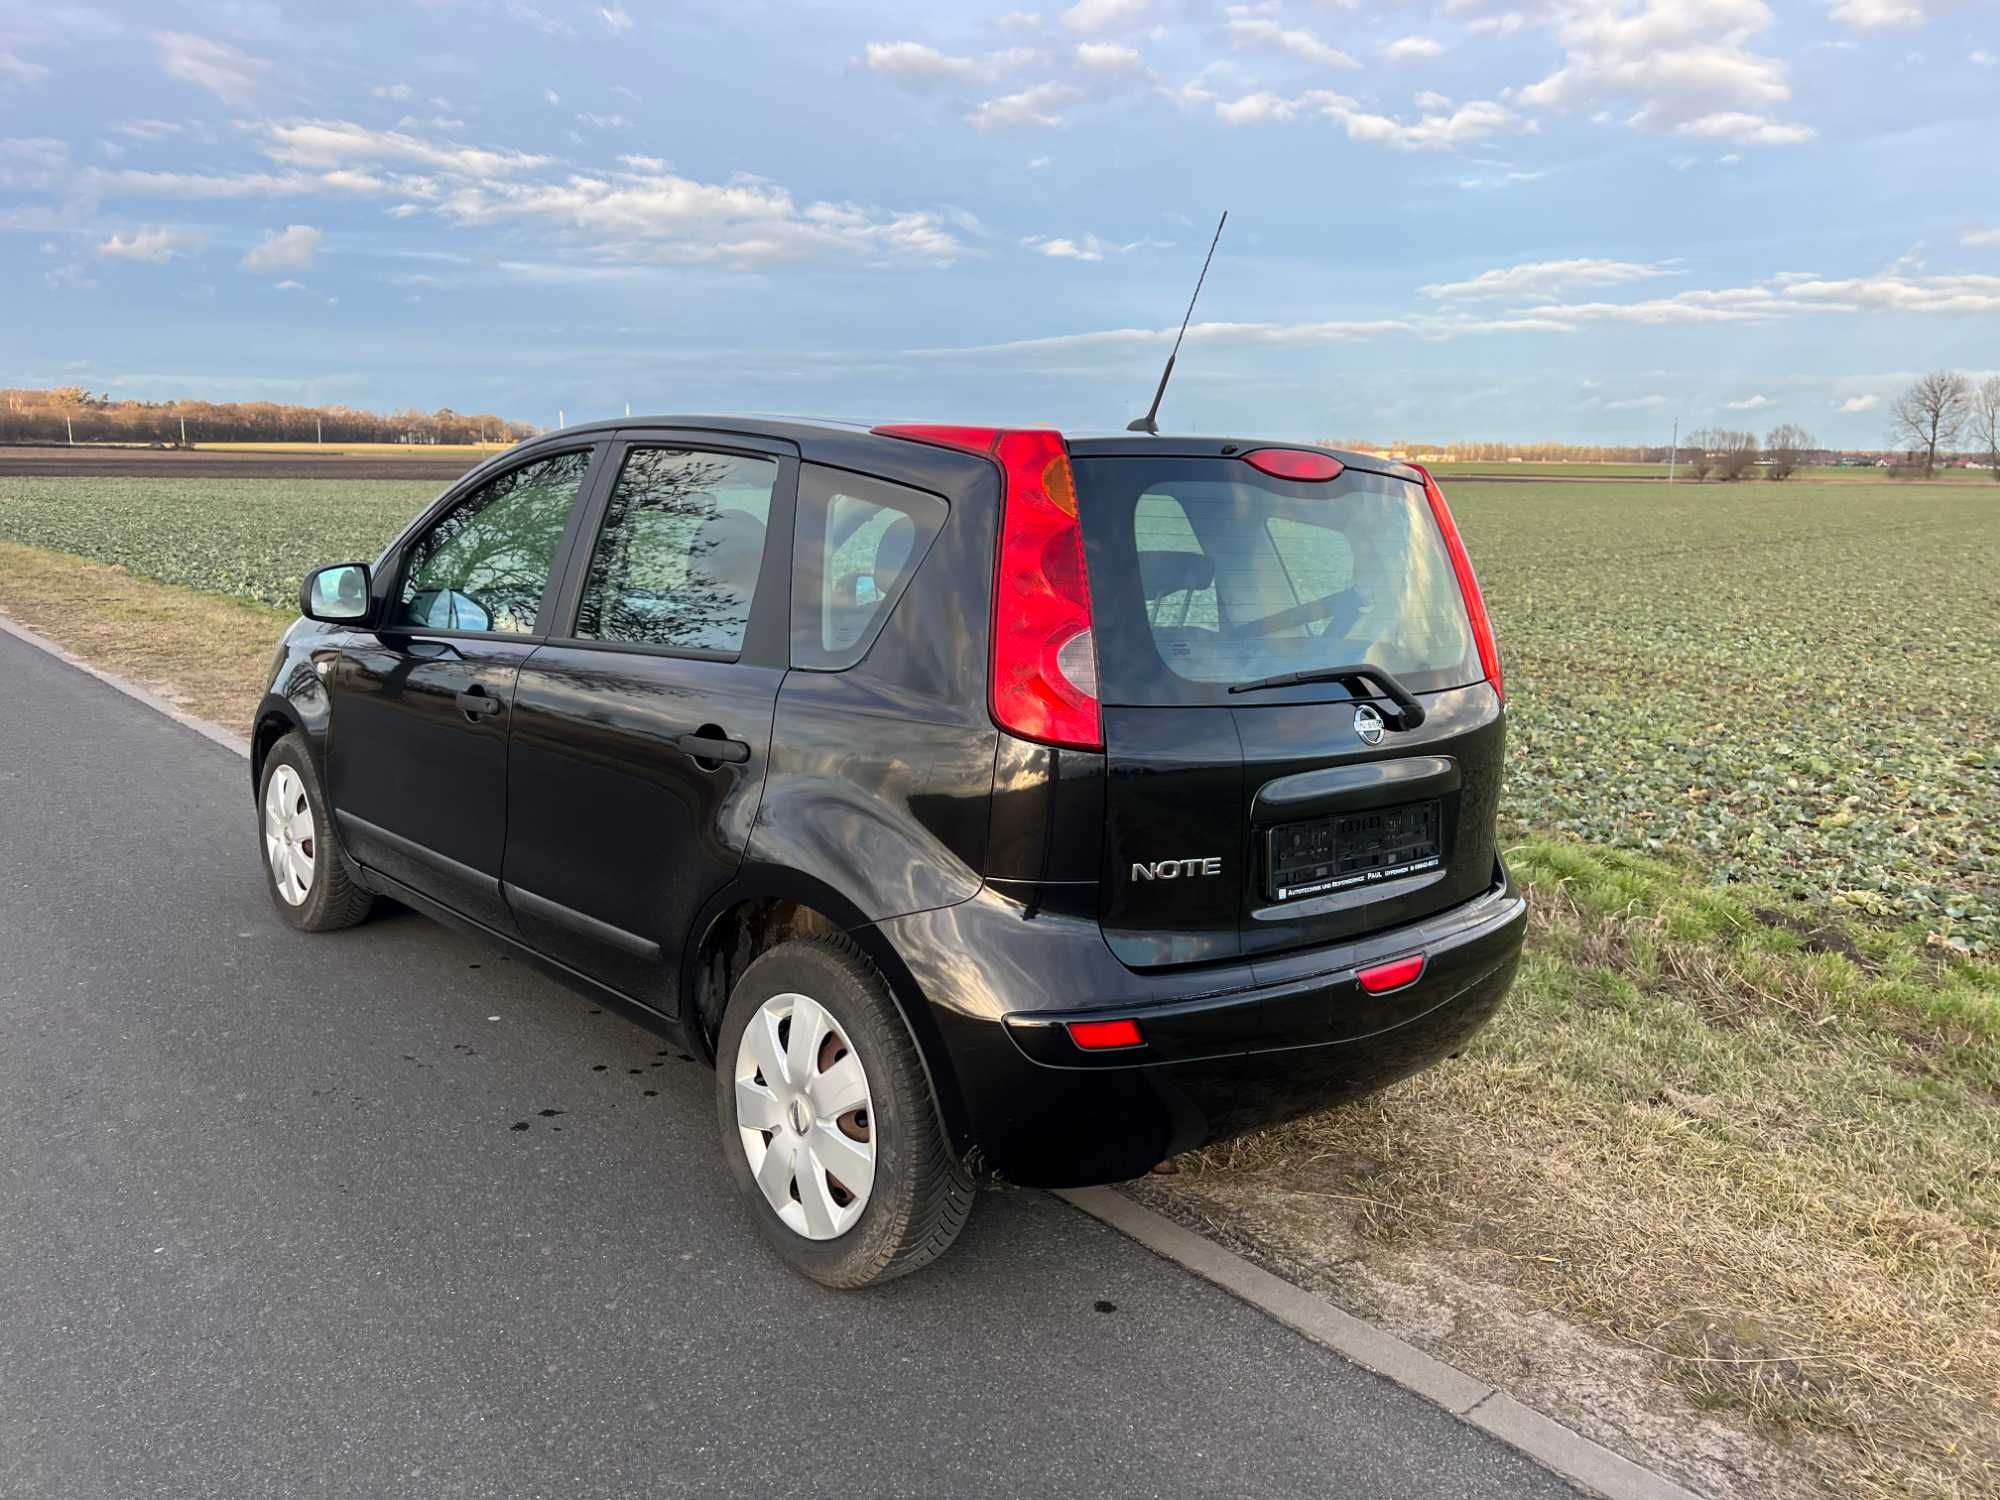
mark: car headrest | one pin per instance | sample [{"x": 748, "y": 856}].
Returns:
[
  {"x": 1162, "y": 573},
  {"x": 729, "y": 552}
]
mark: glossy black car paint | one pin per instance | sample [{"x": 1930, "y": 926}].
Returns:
[{"x": 880, "y": 801}]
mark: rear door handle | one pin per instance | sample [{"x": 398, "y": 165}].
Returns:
[
  {"x": 476, "y": 702},
  {"x": 707, "y": 747}
]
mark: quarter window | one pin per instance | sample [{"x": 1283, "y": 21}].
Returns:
[
  {"x": 485, "y": 564},
  {"x": 859, "y": 540},
  {"x": 677, "y": 560}
]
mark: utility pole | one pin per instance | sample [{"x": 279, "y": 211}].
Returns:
[
  {"x": 69, "y": 428},
  {"x": 561, "y": 421},
  {"x": 318, "y": 435},
  {"x": 1674, "y": 452},
  {"x": 184, "y": 432}
]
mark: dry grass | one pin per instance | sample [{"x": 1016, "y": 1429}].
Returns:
[
  {"x": 207, "y": 654},
  {"x": 1766, "y": 1152}
]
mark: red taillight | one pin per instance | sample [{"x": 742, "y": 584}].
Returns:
[
  {"x": 1391, "y": 976},
  {"x": 1294, "y": 463},
  {"x": 1102, "y": 1036},
  {"x": 1044, "y": 666},
  {"x": 1468, "y": 585}
]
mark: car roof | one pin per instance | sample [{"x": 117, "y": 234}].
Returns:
[{"x": 816, "y": 435}]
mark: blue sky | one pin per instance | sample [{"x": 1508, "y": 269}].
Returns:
[{"x": 1574, "y": 219}]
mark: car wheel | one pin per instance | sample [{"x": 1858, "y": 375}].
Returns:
[
  {"x": 310, "y": 881},
  {"x": 828, "y": 1125}
]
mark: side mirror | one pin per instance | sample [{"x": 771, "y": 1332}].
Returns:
[{"x": 337, "y": 595}]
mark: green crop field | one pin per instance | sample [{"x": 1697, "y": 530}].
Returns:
[{"x": 1798, "y": 684}]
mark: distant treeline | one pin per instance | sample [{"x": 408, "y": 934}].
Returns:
[{"x": 57, "y": 416}]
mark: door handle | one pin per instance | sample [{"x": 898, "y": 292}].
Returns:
[
  {"x": 713, "y": 748},
  {"x": 476, "y": 702}
]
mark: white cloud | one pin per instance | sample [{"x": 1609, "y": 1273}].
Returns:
[
  {"x": 1470, "y": 123},
  {"x": 230, "y": 75},
  {"x": 1980, "y": 238},
  {"x": 1037, "y": 163},
  {"x": 1256, "y": 109},
  {"x": 156, "y": 246},
  {"x": 552, "y": 97},
  {"x": 651, "y": 164},
  {"x": 34, "y": 161},
  {"x": 1248, "y": 29},
  {"x": 20, "y": 70},
  {"x": 1637, "y": 403},
  {"x": 1674, "y": 64},
  {"x": 1089, "y": 247},
  {"x": 1041, "y": 106},
  {"x": 913, "y": 62},
  {"x": 1882, "y": 15},
  {"x": 1856, "y": 404},
  {"x": 604, "y": 122},
  {"x": 1543, "y": 278},
  {"x": 1950, "y": 295},
  {"x": 1412, "y": 49},
  {"x": 1980, "y": 57},
  {"x": 293, "y": 248},
  {"x": 1748, "y": 403},
  {"x": 615, "y": 18},
  {"x": 1430, "y": 100},
  {"x": 401, "y": 93},
  {"x": 1108, "y": 57},
  {"x": 148, "y": 130},
  {"x": 664, "y": 218},
  {"x": 1745, "y": 129},
  {"x": 288, "y": 285},
  {"x": 1095, "y": 15},
  {"x": 333, "y": 143}
]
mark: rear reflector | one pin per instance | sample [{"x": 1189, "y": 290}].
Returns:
[
  {"x": 1101, "y": 1036},
  {"x": 1393, "y": 975},
  {"x": 1043, "y": 679},
  {"x": 1468, "y": 586},
  {"x": 1294, "y": 463}
]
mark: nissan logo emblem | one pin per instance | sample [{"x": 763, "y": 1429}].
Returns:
[{"x": 1368, "y": 724}]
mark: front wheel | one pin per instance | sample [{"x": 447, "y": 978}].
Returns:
[
  {"x": 307, "y": 875},
  {"x": 827, "y": 1121}
]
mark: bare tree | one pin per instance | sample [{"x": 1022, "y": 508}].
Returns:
[
  {"x": 1986, "y": 421},
  {"x": 1735, "y": 453},
  {"x": 1700, "y": 445},
  {"x": 1930, "y": 415},
  {"x": 1785, "y": 449}
]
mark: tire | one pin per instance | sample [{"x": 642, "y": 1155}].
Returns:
[
  {"x": 310, "y": 881},
  {"x": 802, "y": 1139}
]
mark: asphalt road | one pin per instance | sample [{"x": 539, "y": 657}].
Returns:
[{"x": 270, "y": 1225}]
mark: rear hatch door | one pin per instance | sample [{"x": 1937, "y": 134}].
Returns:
[{"x": 1245, "y": 820}]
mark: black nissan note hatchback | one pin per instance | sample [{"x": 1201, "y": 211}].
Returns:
[{"x": 976, "y": 801}]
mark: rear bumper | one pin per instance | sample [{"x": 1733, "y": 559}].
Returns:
[{"x": 1233, "y": 1051}]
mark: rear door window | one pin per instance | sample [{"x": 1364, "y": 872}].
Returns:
[
  {"x": 1207, "y": 572},
  {"x": 676, "y": 561}
]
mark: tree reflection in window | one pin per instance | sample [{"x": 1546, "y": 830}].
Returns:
[
  {"x": 485, "y": 564},
  {"x": 677, "y": 561}
]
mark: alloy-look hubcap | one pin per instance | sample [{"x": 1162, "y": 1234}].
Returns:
[
  {"x": 289, "y": 841},
  {"x": 804, "y": 1114}
]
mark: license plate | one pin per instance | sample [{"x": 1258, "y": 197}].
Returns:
[{"x": 1350, "y": 850}]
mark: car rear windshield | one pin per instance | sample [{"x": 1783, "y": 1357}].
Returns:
[{"x": 1205, "y": 572}]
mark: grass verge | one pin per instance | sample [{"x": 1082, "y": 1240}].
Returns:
[
  {"x": 206, "y": 653},
  {"x": 1763, "y": 1150}
]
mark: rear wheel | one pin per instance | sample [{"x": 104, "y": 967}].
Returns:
[
  {"x": 827, "y": 1120},
  {"x": 309, "y": 879}
]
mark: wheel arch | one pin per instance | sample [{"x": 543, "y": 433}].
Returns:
[{"x": 767, "y": 905}]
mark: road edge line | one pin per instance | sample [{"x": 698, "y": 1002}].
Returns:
[
  {"x": 1563, "y": 1451},
  {"x": 206, "y": 728}
]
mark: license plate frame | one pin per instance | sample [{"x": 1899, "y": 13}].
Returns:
[{"x": 1353, "y": 850}]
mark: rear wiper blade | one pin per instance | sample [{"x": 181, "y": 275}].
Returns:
[{"x": 1409, "y": 712}]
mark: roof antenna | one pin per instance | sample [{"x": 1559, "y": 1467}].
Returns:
[{"x": 1150, "y": 422}]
